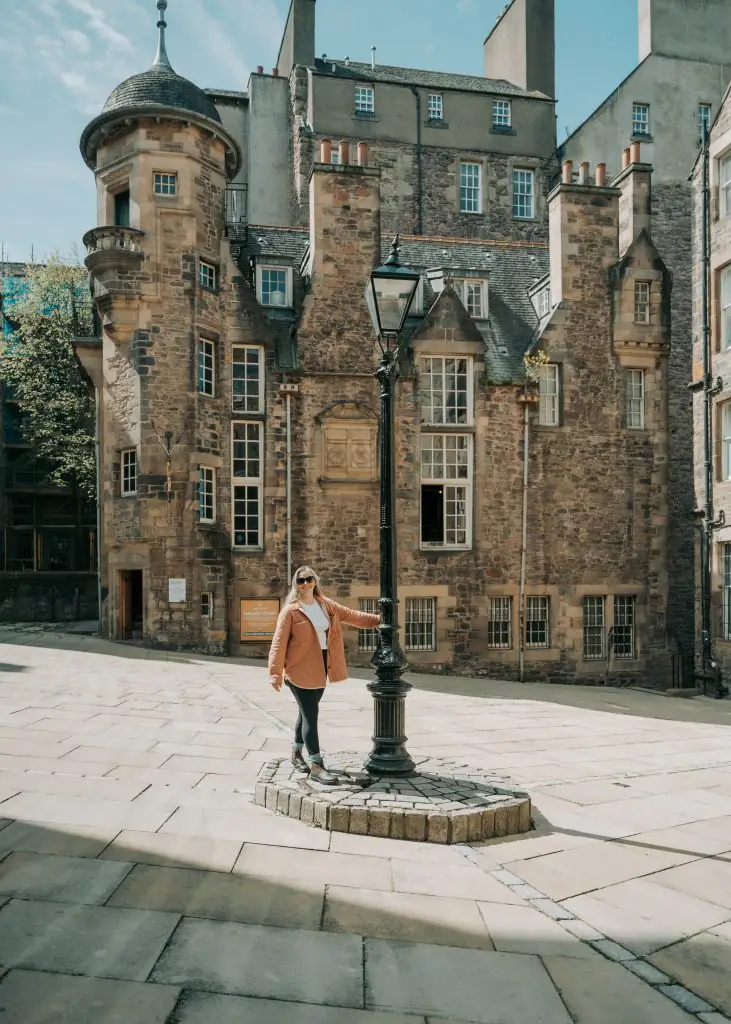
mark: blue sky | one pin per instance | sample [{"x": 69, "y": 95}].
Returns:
[{"x": 59, "y": 59}]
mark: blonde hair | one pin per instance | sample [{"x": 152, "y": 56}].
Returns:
[{"x": 309, "y": 571}]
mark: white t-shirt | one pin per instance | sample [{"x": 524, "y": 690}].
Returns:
[{"x": 319, "y": 620}]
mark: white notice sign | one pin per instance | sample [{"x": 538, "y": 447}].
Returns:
[{"x": 176, "y": 591}]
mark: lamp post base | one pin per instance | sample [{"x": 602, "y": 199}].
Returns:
[{"x": 389, "y": 755}]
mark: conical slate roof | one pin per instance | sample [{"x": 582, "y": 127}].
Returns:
[{"x": 160, "y": 86}]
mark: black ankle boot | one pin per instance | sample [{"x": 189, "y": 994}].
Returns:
[{"x": 299, "y": 762}]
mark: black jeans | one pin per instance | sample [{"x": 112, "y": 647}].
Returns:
[{"x": 308, "y": 702}]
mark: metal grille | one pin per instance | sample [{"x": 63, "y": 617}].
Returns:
[
  {"x": 421, "y": 624},
  {"x": 623, "y": 634},
  {"x": 593, "y": 628},
  {"x": 129, "y": 471},
  {"x": 523, "y": 187},
  {"x": 500, "y": 623},
  {"x": 206, "y": 366},
  {"x": 536, "y": 622},
  {"x": 469, "y": 187},
  {"x": 368, "y": 638}
]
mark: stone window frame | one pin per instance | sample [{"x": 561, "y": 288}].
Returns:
[
  {"x": 500, "y": 610},
  {"x": 455, "y": 490},
  {"x": 129, "y": 472},
  {"x": 549, "y": 401},
  {"x": 624, "y": 620},
  {"x": 643, "y": 291},
  {"x": 591, "y": 606},
  {"x": 723, "y": 418},
  {"x": 261, "y": 362},
  {"x": 208, "y": 275},
  {"x": 502, "y": 115},
  {"x": 545, "y": 600},
  {"x": 641, "y": 113},
  {"x": 207, "y": 604},
  {"x": 364, "y": 100},
  {"x": 465, "y": 189},
  {"x": 435, "y": 106},
  {"x": 723, "y": 279},
  {"x": 207, "y": 494},
  {"x": 426, "y": 616},
  {"x": 725, "y": 566},
  {"x": 469, "y": 390},
  {"x": 724, "y": 183},
  {"x": 207, "y": 367},
  {"x": 368, "y": 638},
  {"x": 288, "y": 276},
  {"x": 248, "y": 482},
  {"x": 635, "y": 397},
  {"x": 530, "y": 177},
  {"x": 168, "y": 188}
]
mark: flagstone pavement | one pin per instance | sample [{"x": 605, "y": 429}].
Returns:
[{"x": 139, "y": 884}]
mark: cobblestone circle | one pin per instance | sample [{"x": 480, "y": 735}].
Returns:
[{"x": 444, "y": 802}]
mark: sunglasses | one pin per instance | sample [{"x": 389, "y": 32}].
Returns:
[{"x": 305, "y": 579}]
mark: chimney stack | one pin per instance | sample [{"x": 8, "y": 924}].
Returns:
[
  {"x": 326, "y": 147},
  {"x": 584, "y": 173},
  {"x": 521, "y": 46},
  {"x": 344, "y": 152},
  {"x": 635, "y": 204}
]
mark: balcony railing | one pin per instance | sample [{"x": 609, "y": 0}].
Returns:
[
  {"x": 113, "y": 236},
  {"x": 237, "y": 210}
]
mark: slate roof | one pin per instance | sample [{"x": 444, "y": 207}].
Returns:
[
  {"x": 415, "y": 76},
  {"x": 161, "y": 87},
  {"x": 512, "y": 269}
]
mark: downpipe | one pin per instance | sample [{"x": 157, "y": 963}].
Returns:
[{"x": 523, "y": 547}]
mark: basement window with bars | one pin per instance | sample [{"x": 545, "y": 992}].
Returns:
[
  {"x": 623, "y": 631},
  {"x": 129, "y": 472},
  {"x": 247, "y": 382},
  {"x": 247, "y": 483},
  {"x": 593, "y": 609},
  {"x": 368, "y": 638},
  {"x": 206, "y": 494},
  {"x": 726, "y": 569},
  {"x": 206, "y": 367},
  {"x": 446, "y": 490},
  {"x": 537, "y": 632},
  {"x": 421, "y": 631},
  {"x": 500, "y": 623}
]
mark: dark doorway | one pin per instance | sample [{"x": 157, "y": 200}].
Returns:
[
  {"x": 131, "y": 604},
  {"x": 121, "y": 209},
  {"x": 432, "y": 514}
]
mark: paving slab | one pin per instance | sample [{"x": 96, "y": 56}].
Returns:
[
  {"x": 403, "y": 916},
  {"x": 204, "y": 1008},
  {"x": 95, "y": 941},
  {"x": 239, "y": 959},
  {"x": 525, "y": 930},
  {"x": 600, "y": 992},
  {"x": 39, "y": 837},
  {"x": 257, "y": 825},
  {"x": 280, "y": 902},
  {"x": 460, "y": 882},
  {"x": 461, "y": 984},
  {"x": 708, "y": 879},
  {"x": 89, "y": 812},
  {"x": 313, "y": 866},
  {"x": 39, "y": 876},
  {"x": 173, "y": 851},
  {"x": 374, "y": 846},
  {"x": 32, "y": 997},
  {"x": 703, "y": 964}
]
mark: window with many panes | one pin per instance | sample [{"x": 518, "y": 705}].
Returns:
[
  {"x": 623, "y": 631},
  {"x": 206, "y": 494},
  {"x": 501, "y": 114},
  {"x": 642, "y": 302},
  {"x": 446, "y": 490},
  {"x": 726, "y": 570},
  {"x": 725, "y": 303},
  {"x": 435, "y": 106},
  {"x": 593, "y": 628},
  {"x": 537, "y": 632},
  {"x": 445, "y": 390},
  {"x": 247, "y": 378},
  {"x": 420, "y": 633},
  {"x": 543, "y": 302},
  {"x": 274, "y": 286},
  {"x": 129, "y": 471},
  {"x": 470, "y": 187},
  {"x": 365, "y": 99},
  {"x": 206, "y": 366},
  {"x": 207, "y": 605},
  {"x": 549, "y": 394},
  {"x": 368, "y": 638},
  {"x": 247, "y": 458},
  {"x": 724, "y": 182},
  {"x": 165, "y": 184},
  {"x": 472, "y": 294},
  {"x": 636, "y": 399},
  {"x": 500, "y": 622},
  {"x": 704, "y": 119},
  {"x": 726, "y": 441},
  {"x": 640, "y": 118},
  {"x": 523, "y": 194},
  {"x": 208, "y": 275}
]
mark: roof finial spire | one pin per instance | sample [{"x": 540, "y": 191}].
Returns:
[{"x": 161, "y": 56}]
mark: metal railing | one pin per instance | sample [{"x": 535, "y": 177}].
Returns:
[{"x": 237, "y": 209}]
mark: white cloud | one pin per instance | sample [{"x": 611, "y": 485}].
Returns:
[
  {"x": 101, "y": 24},
  {"x": 76, "y": 39},
  {"x": 242, "y": 34}
]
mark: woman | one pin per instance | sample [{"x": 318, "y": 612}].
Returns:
[{"x": 307, "y": 651}]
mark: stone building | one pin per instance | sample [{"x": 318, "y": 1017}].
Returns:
[
  {"x": 239, "y": 410},
  {"x": 718, "y": 299},
  {"x": 677, "y": 87}
]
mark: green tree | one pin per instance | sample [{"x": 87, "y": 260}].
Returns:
[{"x": 40, "y": 367}]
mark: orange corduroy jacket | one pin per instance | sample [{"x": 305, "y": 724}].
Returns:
[{"x": 296, "y": 653}]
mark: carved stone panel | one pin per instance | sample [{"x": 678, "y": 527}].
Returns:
[{"x": 349, "y": 437}]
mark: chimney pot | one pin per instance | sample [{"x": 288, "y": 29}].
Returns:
[
  {"x": 260, "y": 69},
  {"x": 601, "y": 175},
  {"x": 625, "y": 158},
  {"x": 344, "y": 151},
  {"x": 275, "y": 72},
  {"x": 584, "y": 172},
  {"x": 567, "y": 172},
  {"x": 363, "y": 154},
  {"x": 326, "y": 151},
  {"x": 635, "y": 153}
]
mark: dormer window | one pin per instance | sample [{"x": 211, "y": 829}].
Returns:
[
  {"x": 473, "y": 293},
  {"x": 542, "y": 301},
  {"x": 274, "y": 286}
]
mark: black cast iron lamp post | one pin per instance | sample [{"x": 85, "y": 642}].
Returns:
[{"x": 389, "y": 295}]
